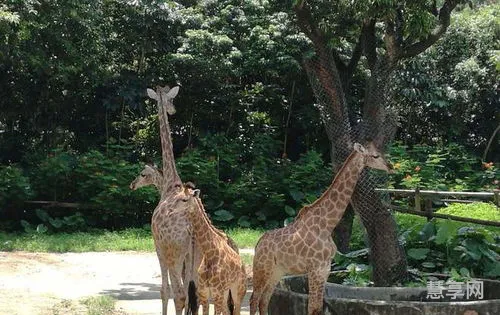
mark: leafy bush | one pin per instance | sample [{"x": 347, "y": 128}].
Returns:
[
  {"x": 52, "y": 175},
  {"x": 15, "y": 188},
  {"x": 443, "y": 167},
  {"x": 103, "y": 183},
  {"x": 440, "y": 247}
]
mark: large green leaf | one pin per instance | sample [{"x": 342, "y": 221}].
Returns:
[
  {"x": 223, "y": 215},
  {"x": 297, "y": 196},
  {"x": 418, "y": 253},
  {"x": 290, "y": 211},
  {"x": 41, "y": 228},
  {"x": 42, "y": 215},
  {"x": 445, "y": 232},
  {"x": 244, "y": 221},
  {"x": 427, "y": 232}
]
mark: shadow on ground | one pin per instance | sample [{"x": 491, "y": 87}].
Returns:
[{"x": 134, "y": 291}]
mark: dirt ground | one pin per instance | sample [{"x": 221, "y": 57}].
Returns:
[{"x": 50, "y": 284}]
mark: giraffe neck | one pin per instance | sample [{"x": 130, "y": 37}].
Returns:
[
  {"x": 158, "y": 181},
  {"x": 170, "y": 176},
  {"x": 204, "y": 232},
  {"x": 332, "y": 204}
]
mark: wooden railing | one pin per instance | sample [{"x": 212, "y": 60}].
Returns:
[{"x": 423, "y": 202}]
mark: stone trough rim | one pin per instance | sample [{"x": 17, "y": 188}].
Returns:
[{"x": 389, "y": 303}]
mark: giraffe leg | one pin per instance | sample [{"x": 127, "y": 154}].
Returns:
[
  {"x": 317, "y": 279},
  {"x": 237, "y": 295},
  {"x": 267, "y": 292},
  {"x": 203, "y": 298},
  {"x": 165, "y": 285},
  {"x": 177, "y": 285},
  {"x": 260, "y": 279},
  {"x": 220, "y": 301},
  {"x": 258, "y": 288},
  {"x": 188, "y": 272}
]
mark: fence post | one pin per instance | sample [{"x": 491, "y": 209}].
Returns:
[
  {"x": 417, "y": 200},
  {"x": 496, "y": 197},
  {"x": 428, "y": 208}
]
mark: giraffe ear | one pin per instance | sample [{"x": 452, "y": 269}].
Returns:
[
  {"x": 359, "y": 148},
  {"x": 196, "y": 193},
  {"x": 173, "y": 92},
  {"x": 152, "y": 94}
]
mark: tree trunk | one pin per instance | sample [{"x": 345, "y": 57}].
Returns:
[
  {"x": 343, "y": 231},
  {"x": 386, "y": 253}
]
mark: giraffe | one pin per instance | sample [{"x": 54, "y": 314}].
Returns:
[
  {"x": 222, "y": 272},
  {"x": 170, "y": 228},
  {"x": 306, "y": 245},
  {"x": 151, "y": 175}
]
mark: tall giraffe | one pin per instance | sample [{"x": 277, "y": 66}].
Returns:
[
  {"x": 222, "y": 272},
  {"x": 306, "y": 245},
  {"x": 151, "y": 175},
  {"x": 170, "y": 228}
]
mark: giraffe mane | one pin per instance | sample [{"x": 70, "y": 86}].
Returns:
[
  {"x": 217, "y": 231},
  {"x": 306, "y": 209}
]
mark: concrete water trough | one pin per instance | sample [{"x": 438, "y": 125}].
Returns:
[{"x": 290, "y": 298}]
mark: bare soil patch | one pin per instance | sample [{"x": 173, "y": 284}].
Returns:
[{"x": 51, "y": 284}]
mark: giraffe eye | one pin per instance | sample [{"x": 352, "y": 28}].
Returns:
[
  {"x": 376, "y": 156},
  {"x": 143, "y": 175},
  {"x": 184, "y": 200}
]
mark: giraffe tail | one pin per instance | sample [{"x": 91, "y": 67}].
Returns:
[
  {"x": 193, "y": 299},
  {"x": 230, "y": 303}
]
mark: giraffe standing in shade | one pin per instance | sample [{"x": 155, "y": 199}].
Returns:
[
  {"x": 222, "y": 273},
  {"x": 151, "y": 175},
  {"x": 306, "y": 245},
  {"x": 170, "y": 228}
]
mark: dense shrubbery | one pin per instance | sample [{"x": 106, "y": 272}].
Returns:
[
  {"x": 442, "y": 167},
  {"x": 243, "y": 184}
]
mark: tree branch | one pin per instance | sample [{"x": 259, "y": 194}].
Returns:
[
  {"x": 356, "y": 55},
  {"x": 369, "y": 42},
  {"x": 444, "y": 21},
  {"x": 307, "y": 25},
  {"x": 391, "y": 43}
]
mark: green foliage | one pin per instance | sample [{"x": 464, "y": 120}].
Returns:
[
  {"x": 95, "y": 241},
  {"x": 74, "y": 222},
  {"x": 137, "y": 239},
  {"x": 243, "y": 183},
  {"x": 244, "y": 237},
  {"x": 452, "y": 88},
  {"x": 476, "y": 210},
  {"x": 439, "y": 247},
  {"x": 442, "y": 167},
  {"x": 99, "y": 305},
  {"x": 459, "y": 249},
  {"x": 14, "y": 188}
]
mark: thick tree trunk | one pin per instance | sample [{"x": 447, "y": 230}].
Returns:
[
  {"x": 343, "y": 232},
  {"x": 386, "y": 253}
]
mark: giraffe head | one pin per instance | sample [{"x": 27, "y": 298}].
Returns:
[
  {"x": 373, "y": 157},
  {"x": 165, "y": 96},
  {"x": 150, "y": 175},
  {"x": 185, "y": 199}
]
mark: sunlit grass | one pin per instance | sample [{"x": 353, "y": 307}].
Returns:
[
  {"x": 99, "y": 305},
  {"x": 131, "y": 239},
  {"x": 102, "y": 241},
  {"x": 245, "y": 238}
]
